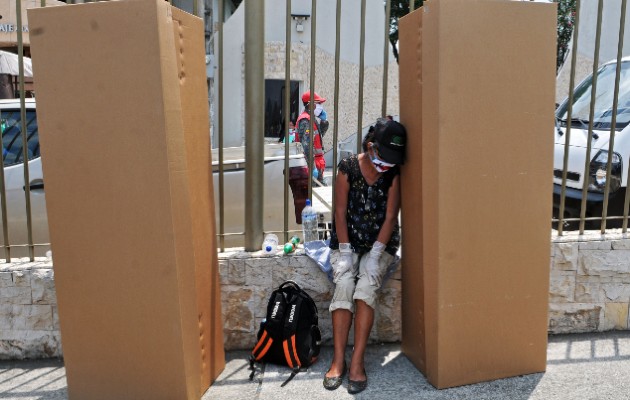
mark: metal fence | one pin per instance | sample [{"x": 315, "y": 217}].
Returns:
[
  {"x": 253, "y": 230},
  {"x": 594, "y": 196},
  {"x": 254, "y": 95},
  {"x": 19, "y": 135},
  {"x": 582, "y": 197}
]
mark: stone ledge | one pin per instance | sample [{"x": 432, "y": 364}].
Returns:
[
  {"x": 249, "y": 278},
  {"x": 589, "y": 292}
]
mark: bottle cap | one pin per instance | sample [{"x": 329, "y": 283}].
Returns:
[
  {"x": 268, "y": 249},
  {"x": 308, "y": 202}
]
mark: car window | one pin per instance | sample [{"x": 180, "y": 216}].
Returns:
[
  {"x": 604, "y": 98},
  {"x": 11, "y": 126}
]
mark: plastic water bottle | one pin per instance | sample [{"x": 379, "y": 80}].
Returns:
[
  {"x": 309, "y": 223},
  {"x": 270, "y": 244}
]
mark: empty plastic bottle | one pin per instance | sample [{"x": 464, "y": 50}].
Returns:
[
  {"x": 270, "y": 244},
  {"x": 309, "y": 223}
]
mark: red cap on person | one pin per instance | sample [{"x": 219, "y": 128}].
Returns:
[{"x": 306, "y": 97}]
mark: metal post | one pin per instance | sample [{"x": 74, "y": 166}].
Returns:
[
  {"x": 613, "y": 121},
  {"x": 361, "y": 74},
  {"x": 587, "y": 160},
  {"x": 27, "y": 189},
  {"x": 287, "y": 115},
  {"x": 336, "y": 101},
  {"x": 388, "y": 6},
  {"x": 311, "y": 103},
  {"x": 3, "y": 198},
  {"x": 567, "y": 138},
  {"x": 254, "y": 121},
  {"x": 220, "y": 133},
  {"x": 412, "y": 5}
]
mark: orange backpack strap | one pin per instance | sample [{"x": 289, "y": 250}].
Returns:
[
  {"x": 292, "y": 359},
  {"x": 262, "y": 347},
  {"x": 290, "y": 353}
]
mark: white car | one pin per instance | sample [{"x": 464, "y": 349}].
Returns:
[
  {"x": 14, "y": 181},
  {"x": 596, "y": 175}
]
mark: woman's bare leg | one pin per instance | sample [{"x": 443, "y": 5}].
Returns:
[
  {"x": 341, "y": 320},
  {"x": 363, "y": 321}
]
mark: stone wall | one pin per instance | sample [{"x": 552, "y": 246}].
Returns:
[
  {"x": 248, "y": 281},
  {"x": 589, "y": 292},
  {"x": 29, "y": 324},
  {"x": 590, "y": 283}
]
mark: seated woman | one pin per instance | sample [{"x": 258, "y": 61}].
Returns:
[{"x": 365, "y": 238}]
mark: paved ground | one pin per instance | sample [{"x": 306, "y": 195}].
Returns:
[{"x": 579, "y": 366}]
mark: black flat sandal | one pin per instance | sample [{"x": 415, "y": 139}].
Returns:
[
  {"x": 355, "y": 387},
  {"x": 333, "y": 382}
]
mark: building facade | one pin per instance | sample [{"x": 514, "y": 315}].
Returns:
[{"x": 275, "y": 35}]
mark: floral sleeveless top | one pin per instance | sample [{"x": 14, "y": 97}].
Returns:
[{"x": 367, "y": 207}]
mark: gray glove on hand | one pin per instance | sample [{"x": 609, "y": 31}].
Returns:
[
  {"x": 372, "y": 267},
  {"x": 344, "y": 264}
]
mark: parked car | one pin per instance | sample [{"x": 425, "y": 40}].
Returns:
[
  {"x": 12, "y": 148},
  {"x": 596, "y": 175}
]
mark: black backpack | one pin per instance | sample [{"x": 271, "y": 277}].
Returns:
[{"x": 289, "y": 335}]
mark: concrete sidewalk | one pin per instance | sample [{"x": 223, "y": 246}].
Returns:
[{"x": 579, "y": 366}]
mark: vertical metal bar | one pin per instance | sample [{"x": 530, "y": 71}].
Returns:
[
  {"x": 388, "y": 6},
  {"x": 27, "y": 189},
  {"x": 627, "y": 199},
  {"x": 587, "y": 160},
  {"x": 220, "y": 127},
  {"x": 336, "y": 101},
  {"x": 287, "y": 115},
  {"x": 361, "y": 76},
  {"x": 613, "y": 121},
  {"x": 3, "y": 196},
  {"x": 311, "y": 103},
  {"x": 254, "y": 121},
  {"x": 196, "y": 8},
  {"x": 412, "y": 5},
  {"x": 567, "y": 138}
]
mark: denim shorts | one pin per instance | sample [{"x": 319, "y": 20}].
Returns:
[{"x": 354, "y": 284}]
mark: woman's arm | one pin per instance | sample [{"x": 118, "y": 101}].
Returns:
[
  {"x": 342, "y": 188},
  {"x": 391, "y": 215}
]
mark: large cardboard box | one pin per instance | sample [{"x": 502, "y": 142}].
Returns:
[
  {"x": 477, "y": 95},
  {"x": 124, "y": 133}
]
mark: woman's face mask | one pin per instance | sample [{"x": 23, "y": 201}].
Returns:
[{"x": 380, "y": 165}]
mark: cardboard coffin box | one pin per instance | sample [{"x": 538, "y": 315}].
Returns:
[
  {"x": 122, "y": 111},
  {"x": 477, "y": 96}
]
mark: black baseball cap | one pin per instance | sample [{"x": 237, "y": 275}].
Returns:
[{"x": 391, "y": 138}]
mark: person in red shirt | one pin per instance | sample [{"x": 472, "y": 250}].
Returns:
[{"x": 320, "y": 126}]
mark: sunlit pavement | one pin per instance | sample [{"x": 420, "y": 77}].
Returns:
[{"x": 579, "y": 366}]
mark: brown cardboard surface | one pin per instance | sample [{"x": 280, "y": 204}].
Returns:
[
  {"x": 129, "y": 265},
  {"x": 190, "y": 51},
  {"x": 413, "y": 310},
  {"x": 487, "y": 101}
]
